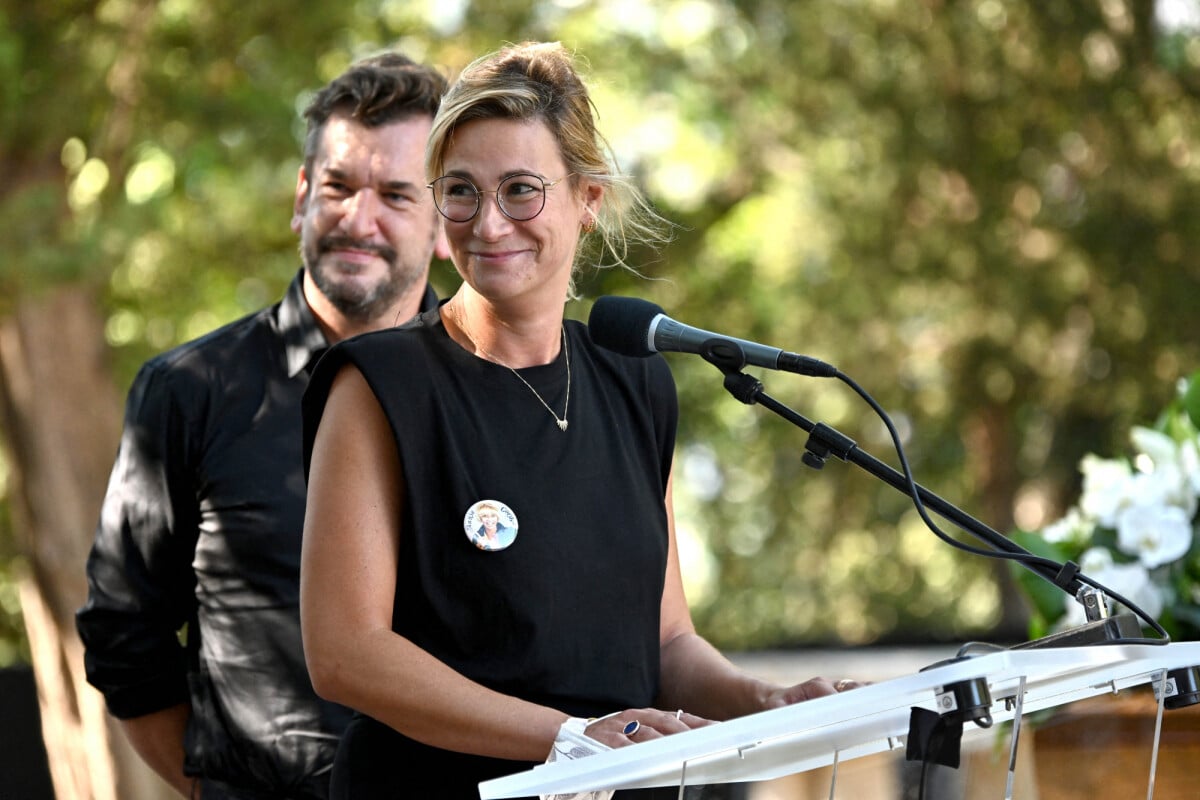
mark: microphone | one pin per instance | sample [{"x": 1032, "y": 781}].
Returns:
[{"x": 635, "y": 327}]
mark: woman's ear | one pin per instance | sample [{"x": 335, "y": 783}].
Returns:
[{"x": 593, "y": 194}]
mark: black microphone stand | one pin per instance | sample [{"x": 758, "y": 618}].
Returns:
[
  {"x": 934, "y": 736},
  {"x": 825, "y": 441}
]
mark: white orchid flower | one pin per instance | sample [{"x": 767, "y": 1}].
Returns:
[
  {"x": 1156, "y": 534},
  {"x": 1178, "y": 464},
  {"x": 1106, "y": 488},
  {"x": 1151, "y": 502},
  {"x": 1166, "y": 486},
  {"x": 1160, "y": 447},
  {"x": 1163, "y": 449},
  {"x": 1189, "y": 461},
  {"x": 1095, "y": 560},
  {"x": 1073, "y": 527}
]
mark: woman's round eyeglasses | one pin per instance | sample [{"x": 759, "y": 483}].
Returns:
[{"x": 520, "y": 197}]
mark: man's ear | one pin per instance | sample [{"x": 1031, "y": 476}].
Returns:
[{"x": 301, "y": 204}]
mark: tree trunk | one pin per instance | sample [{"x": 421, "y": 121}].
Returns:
[
  {"x": 991, "y": 460},
  {"x": 60, "y": 416}
]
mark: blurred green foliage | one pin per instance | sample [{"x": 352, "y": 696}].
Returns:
[{"x": 985, "y": 212}]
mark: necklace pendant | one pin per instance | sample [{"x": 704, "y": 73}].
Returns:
[{"x": 562, "y": 423}]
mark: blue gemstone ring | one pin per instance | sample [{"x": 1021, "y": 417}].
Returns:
[{"x": 631, "y": 728}]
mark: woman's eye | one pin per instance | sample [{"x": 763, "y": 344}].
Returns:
[{"x": 518, "y": 190}]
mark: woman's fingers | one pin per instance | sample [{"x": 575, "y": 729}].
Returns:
[{"x": 641, "y": 725}]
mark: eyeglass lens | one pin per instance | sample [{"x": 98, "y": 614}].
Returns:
[{"x": 520, "y": 197}]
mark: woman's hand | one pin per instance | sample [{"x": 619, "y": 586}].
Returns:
[
  {"x": 641, "y": 725},
  {"x": 809, "y": 690}
]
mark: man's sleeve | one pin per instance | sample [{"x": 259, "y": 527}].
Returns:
[{"x": 139, "y": 571}]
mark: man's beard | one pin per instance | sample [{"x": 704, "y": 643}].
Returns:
[{"x": 351, "y": 298}]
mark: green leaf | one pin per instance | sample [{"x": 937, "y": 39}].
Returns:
[
  {"x": 1191, "y": 398},
  {"x": 1049, "y": 601}
]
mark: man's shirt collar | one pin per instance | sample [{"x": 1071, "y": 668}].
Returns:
[{"x": 303, "y": 340}]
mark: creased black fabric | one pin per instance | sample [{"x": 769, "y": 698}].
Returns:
[{"x": 201, "y": 526}]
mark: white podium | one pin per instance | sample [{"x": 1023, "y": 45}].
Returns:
[{"x": 867, "y": 720}]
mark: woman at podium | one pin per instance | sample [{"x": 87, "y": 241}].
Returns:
[{"x": 466, "y": 663}]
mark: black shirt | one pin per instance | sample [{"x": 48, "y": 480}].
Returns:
[
  {"x": 567, "y": 613},
  {"x": 201, "y": 525}
]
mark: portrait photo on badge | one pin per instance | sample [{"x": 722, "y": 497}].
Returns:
[{"x": 490, "y": 525}]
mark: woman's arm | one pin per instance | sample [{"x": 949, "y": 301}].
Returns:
[
  {"x": 695, "y": 676},
  {"x": 347, "y": 588}
]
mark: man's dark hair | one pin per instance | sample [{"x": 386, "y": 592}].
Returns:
[{"x": 375, "y": 91}]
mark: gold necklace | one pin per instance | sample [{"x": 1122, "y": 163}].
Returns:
[{"x": 560, "y": 421}]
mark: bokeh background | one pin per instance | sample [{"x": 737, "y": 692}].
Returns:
[{"x": 986, "y": 212}]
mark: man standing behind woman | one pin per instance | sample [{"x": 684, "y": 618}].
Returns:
[
  {"x": 466, "y": 663},
  {"x": 202, "y": 520}
]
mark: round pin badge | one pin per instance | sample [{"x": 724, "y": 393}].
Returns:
[{"x": 490, "y": 525}]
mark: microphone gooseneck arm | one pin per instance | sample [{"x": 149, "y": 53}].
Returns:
[
  {"x": 825, "y": 441},
  {"x": 635, "y": 327}
]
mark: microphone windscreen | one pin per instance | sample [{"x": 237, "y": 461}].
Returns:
[{"x": 622, "y": 324}]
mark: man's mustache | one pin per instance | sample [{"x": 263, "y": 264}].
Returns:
[{"x": 327, "y": 244}]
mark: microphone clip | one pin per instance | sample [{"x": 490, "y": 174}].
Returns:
[
  {"x": 823, "y": 442},
  {"x": 728, "y": 357}
]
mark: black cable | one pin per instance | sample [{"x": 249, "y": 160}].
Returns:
[
  {"x": 935, "y": 743},
  {"x": 1024, "y": 558}
]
